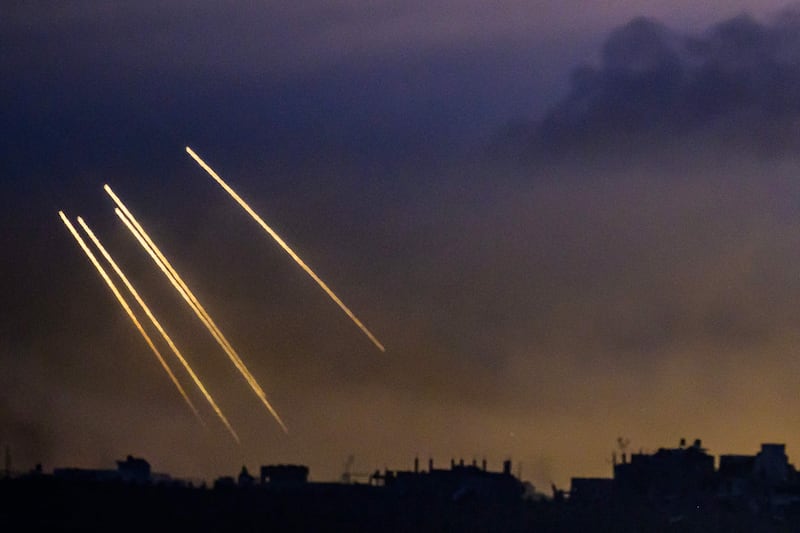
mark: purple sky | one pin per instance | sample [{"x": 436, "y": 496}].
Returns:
[{"x": 553, "y": 258}]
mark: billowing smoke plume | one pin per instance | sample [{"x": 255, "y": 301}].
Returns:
[{"x": 735, "y": 85}]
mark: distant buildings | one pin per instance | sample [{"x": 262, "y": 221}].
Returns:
[
  {"x": 133, "y": 471},
  {"x": 680, "y": 488},
  {"x": 459, "y": 482},
  {"x": 667, "y": 474},
  {"x": 684, "y": 479},
  {"x": 284, "y": 475}
]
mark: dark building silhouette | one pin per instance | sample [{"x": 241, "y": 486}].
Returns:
[
  {"x": 86, "y": 474},
  {"x": 668, "y": 474},
  {"x": 131, "y": 470},
  {"x": 245, "y": 479},
  {"x": 134, "y": 470},
  {"x": 591, "y": 490},
  {"x": 224, "y": 482},
  {"x": 459, "y": 482},
  {"x": 680, "y": 488},
  {"x": 735, "y": 476},
  {"x": 673, "y": 489},
  {"x": 284, "y": 475},
  {"x": 771, "y": 466}
]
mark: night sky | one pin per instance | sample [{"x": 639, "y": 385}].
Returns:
[{"x": 567, "y": 222}]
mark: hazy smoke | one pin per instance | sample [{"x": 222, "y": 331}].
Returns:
[
  {"x": 538, "y": 314},
  {"x": 737, "y": 84}
]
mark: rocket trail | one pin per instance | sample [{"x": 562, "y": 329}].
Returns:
[
  {"x": 158, "y": 326},
  {"x": 150, "y": 247},
  {"x": 201, "y": 313},
  {"x": 286, "y": 248},
  {"x": 159, "y": 261},
  {"x": 128, "y": 310}
]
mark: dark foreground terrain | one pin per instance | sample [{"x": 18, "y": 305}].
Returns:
[{"x": 49, "y": 504}]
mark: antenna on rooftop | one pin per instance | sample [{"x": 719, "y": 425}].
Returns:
[{"x": 622, "y": 445}]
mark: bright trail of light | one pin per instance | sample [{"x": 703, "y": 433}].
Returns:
[
  {"x": 198, "y": 309},
  {"x": 161, "y": 261},
  {"x": 286, "y": 248},
  {"x": 128, "y": 310},
  {"x": 174, "y": 281},
  {"x": 158, "y": 326}
]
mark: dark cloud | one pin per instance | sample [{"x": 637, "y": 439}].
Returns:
[
  {"x": 733, "y": 86},
  {"x": 536, "y": 313}
]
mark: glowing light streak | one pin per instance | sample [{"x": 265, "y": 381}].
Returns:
[
  {"x": 161, "y": 261},
  {"x": 286, "y": 248},
  {"x": 158, "y": 326},
  {"x": 130, "y": 313}
]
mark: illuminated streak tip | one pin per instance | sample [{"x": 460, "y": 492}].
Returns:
[
  {"x": 130, "y": 314},
  {"x": 150, "y": 246},
  {"x": 161, "y": 261},
  {"x": 286, "y": 248},
  {"x": 158, "y": 326}
]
